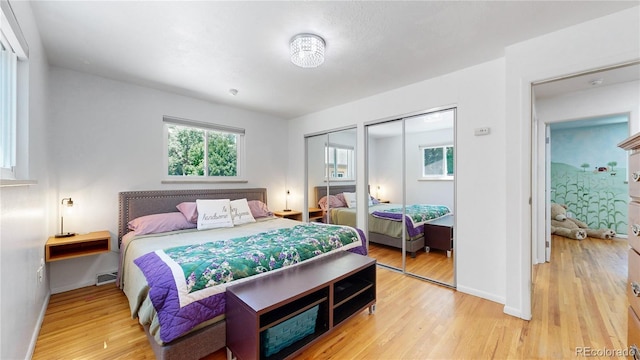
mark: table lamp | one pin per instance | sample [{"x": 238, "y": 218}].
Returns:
[{"x": 67, "y": 203}]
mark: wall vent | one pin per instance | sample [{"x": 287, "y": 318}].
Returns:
[{"x": 106, "y": 278}]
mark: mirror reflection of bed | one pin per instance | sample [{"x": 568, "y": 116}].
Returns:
[
  {"x": 410, "y": 161},
  {"x": 385, "y": 234}
]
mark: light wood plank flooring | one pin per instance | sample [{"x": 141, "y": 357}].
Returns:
[
  {"x": 434, "y": 264},
  {"x": 579, "y": 300}
]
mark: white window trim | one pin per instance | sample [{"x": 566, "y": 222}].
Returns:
[
  {"x": 434, "y": 177},
  {"x": 13, "y": 39},
  {"x": 351, "y": 168},
  {"x": 177, "y": 179}
]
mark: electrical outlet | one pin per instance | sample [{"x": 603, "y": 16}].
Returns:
[
  {"x": 40, "y": 274},
  {"x": 482, "y": 131},
  {"x": 40, "y": 271}
]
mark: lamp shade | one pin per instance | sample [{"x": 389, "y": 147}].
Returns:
[
  {"x": 307, "y": 50},
  {"x": 66, "y": 203}
]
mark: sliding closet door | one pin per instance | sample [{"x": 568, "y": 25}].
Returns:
[
  {"x": 411, "y": 171},
  {"x": 331, "y": 170},
  {"x": 385, "y": 176},
  {"x": 316, "y": 174},
  {"x": 430, "y": 189}
]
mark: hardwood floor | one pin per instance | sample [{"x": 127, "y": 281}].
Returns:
[
  {"x": 579, "y": 301},
  {"x": 434, "y": 264}
]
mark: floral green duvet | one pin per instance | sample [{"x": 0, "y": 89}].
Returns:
[{"x": 186, "y": 283}]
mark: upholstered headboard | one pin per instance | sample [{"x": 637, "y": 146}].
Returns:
[
  {"x": 321, "y": 191},
  {"x": 134, "y": 204}
]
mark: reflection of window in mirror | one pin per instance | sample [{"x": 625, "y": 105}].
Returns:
[
  {"x": 339, "y": 160},
  {"x": 437, "y": 162}
]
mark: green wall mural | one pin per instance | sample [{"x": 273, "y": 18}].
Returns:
[{"x": 589, "y": 175}]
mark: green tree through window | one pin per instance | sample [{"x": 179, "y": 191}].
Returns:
[
  {"x": 202, "y": 152},
  {"x": 437, "y": 161}
]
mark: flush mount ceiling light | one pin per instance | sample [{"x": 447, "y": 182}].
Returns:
[{"x": 307, "y": 50}]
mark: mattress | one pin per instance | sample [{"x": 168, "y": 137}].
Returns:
[
  {"x": 377, "y": 224},
  {"x": 137, "y": 289}
]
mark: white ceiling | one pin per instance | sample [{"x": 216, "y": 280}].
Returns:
[{"x": 202, "y": 49}]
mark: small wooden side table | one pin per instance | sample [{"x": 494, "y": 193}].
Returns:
[
  {"x": 96, "y": 242},
  {"x": 292, "y": 214}
]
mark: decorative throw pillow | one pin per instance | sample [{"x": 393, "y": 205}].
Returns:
[
  {"x": 331, "y": 201},
  {"x": 214, "y": 213},
  {"x": 240, "y": 212},
  {"x": 259, "y": 209},
  {"x": 159, "y": 223},
  {"x": 189, "y": 210},
  {"x": 350, "y": 199}
]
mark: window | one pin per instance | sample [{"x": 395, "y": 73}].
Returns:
[
  {"x": 339, "y": 160},
  {"x": 437, "y": 162},
  {"x": 13, "y": 50},
  {"x": 202, "y": 151}
]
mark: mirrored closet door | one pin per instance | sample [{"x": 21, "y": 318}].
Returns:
[
  {"x": 331, "y": 177},
  {"x": 411, "y": 171},
  {"x": 385, "y": 169}
]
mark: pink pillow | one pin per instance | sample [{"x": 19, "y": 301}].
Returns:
[
  {"x": 189, "y": 210},
  {"x": 159, "y": 223},
  {"x": 259, "y": 209},
  {"x": 334, "y": 202}
]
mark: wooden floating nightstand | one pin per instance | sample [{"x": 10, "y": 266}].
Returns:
[
  {"x": 291, "y": 214},
  {"x": 316, "y": 214},
  {"x": 96, "y": 242}
]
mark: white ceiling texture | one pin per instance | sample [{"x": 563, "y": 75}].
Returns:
[{"x": 204, "y": 48}]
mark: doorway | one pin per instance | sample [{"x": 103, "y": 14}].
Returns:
[{"x": 595, "y": 98}]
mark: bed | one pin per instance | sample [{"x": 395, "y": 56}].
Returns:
[
  {"x": 171, "y": 318},
  {"x": 384, "y": 221}
]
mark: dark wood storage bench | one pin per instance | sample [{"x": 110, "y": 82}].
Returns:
[
  {"x": 306, "y": 301},
  {"x": 438, "y": 234}
]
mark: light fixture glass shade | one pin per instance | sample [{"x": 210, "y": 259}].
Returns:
[
  {"x": 307, "y": 50},
  {"x": 66, "y": 203}
]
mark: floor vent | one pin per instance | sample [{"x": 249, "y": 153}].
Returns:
[{"x": 106, "y": 278}]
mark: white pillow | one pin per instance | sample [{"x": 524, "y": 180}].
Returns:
[
  {"x": 214, "y": 213},
  {"x": 350, "y": 199},
  {"x": 240, "y": 212}
]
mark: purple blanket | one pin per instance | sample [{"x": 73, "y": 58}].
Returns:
[
  {"x": 416, "y": 216},
  {"x": 176, "y": 320}
]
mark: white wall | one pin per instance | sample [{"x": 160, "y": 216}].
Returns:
[
  {"x": 478, "y": 92},
  {"x": 24, "y": 212},
  {"x": 594, "y": 44},
  {"x": 108, "y": 138},
  {"x": 385, "y": 167}
]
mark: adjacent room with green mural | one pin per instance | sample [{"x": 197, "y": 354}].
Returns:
[{"x": 589, "y": 171}]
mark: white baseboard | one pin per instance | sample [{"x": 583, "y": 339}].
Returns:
[
  {"x": 481, "y": 294},
  {"x": 72, "y": 287},
  {"x": 36, "y": 330},
  {"x": 509, "y": 310}
]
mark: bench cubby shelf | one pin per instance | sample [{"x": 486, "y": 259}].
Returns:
[{"x": 307, "y": 301}]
